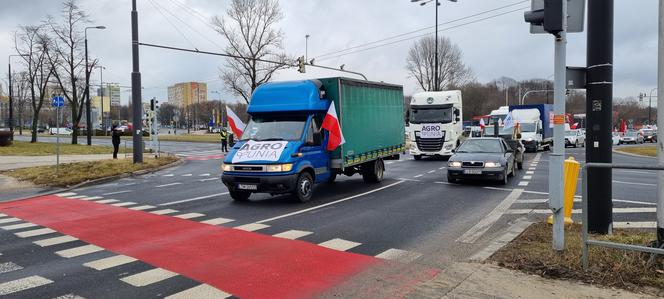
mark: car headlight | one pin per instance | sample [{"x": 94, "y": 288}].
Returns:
[
  {"x": 279, "y": 168},
  {"x": 449, "y": 146},
  {"x": 529, "y": 139},
  {"x": 454, "y": 164},
  {"x": 226, "y": 167},
  {"x": 491, "y": 164}
]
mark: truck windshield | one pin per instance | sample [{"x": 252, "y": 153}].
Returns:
[
  {"x": 528, "y": 127},
  {"x": 275, "y": 128},
  {"x": 431, "y": 115}
]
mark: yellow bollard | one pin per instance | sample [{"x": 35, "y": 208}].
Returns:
[{"x": 571, "y": 177}]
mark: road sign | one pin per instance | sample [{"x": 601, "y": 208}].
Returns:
[
  {"x": 575, "y": 16},
  {"x": 58, "y": 102}
]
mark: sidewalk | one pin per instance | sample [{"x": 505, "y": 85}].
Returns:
[
  {"x": 475, "y": 280},
  {"x": 14, "y": 162}
]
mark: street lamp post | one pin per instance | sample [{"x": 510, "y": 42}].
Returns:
[
  {"x": 88, "y": 115},
  {"x": 435, "y": 67},
  {"x": 650, "y": 106},
  {"x": 101, "y": 87},
  {"x": 306, "y": 47},
  {"x": 523, "y": 99}
]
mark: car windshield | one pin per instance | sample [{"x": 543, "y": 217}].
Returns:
[
  {"x": 616, "y": 134},
  {"x": 263, "y": 128},
  {"x": 488, "y": 131},
  {"x": 419, "y": 115},
  {"x": 570, "y": 133},
  {"x": 647, "y": 132},
  {"x": 480, "y": 146},
  {"x": 630, "y": 134},
  {"x": 528, "y": 127}
]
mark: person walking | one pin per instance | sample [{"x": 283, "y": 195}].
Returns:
[
  {"x": 115, "y": 139},
  {"x": 224, "y": 140}
]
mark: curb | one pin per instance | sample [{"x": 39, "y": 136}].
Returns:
[
  {"x": 630, "y": 154},
  {"x": 104, "y": 180},
  {"x": 512, "y": 232}
]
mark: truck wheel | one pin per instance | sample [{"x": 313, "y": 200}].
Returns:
[
  {"x": 417, "y": 157},
  {"x": 240, "y": 195},
  {"x": 304, "y": 188},
  {"x": 372, "y": 172}
]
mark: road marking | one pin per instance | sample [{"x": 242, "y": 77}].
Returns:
[
  {"x": 9, "y": 267},
  {"x": 69, "y": 296},
  {"x": 210, "y": 179},
  {"x": 644, "y": 224},
  {"x": 109, "y": 262},
  {"x": 9, "y": 220},
  {"x": 78, "y": 251},
  {"x": 512, "y": 232},
  {"x": 188, "y": 174},
  {"x": 251, "y": 227},
  {"x": 168, "y": 175},
  {"x": 77, "y": 197},
  {"x": 18, "y": 226},
  {"x": 399, "y": 255},
  {"x": 578, "y": 211},
  {"x": 122, "y": 204},
  {"x": 193, "y": 199},
  {"x": 442, "y": 168},
  {"x": 410, "y": 180},
  {"x": 530, "y": 172},
  {"x": 23, "y": 284},
  {"x": 331, "y": 203},
  {"x": 217, "y": 221},
  {"x": 637, "y": 184},
  {"x": 339, "y": 244},
  {"x": 66, "y": 194},
  {"x": 527, "y": 177},
  {"x": 141, "y": 208},
  {"x": 523, "y": 183},
  {"x": 389, "y": 162},
  {"x": 55, "y": 241},
  {"x": 444, "y": 183},
  {"x": 164, "y": 211},
  {"x": 419, "y": 175},
  {"x": 431, "y": 171},
  {"x": 88, "y": 198},
  {"x": 118, "y": 192},
  {"x": 3, "y": 215},
  {"x": 35, "y": 232},
  {"x": 201, "y": 291},
  {"x": 148, "y": 277},
  {"x": 634, "y": 171},
  {"x": 204, "y": 174},
  {"x": 489, "y": 220},
  {"x": 189, "y": 215},
  {"x": 532, "y": 169},
  {"x": 166, "y": 185},
  {"x": 293, "y": 234},
  {"x": 107, "y": 201}
]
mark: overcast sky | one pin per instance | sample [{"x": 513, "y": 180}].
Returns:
[{"x": 498, "y": 46}]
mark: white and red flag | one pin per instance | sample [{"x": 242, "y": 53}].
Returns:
[
  {"x": 331, "y": 124},
  {"x": 237, "y": 126},
  {"x": 482, "y": 124}
]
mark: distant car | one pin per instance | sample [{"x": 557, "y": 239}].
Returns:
[
  {"x": 631, "y": 137},
  {"x": 60, "y": 131},
  {"x": 575, "y": 138},
  {"x": 615, "y": 138},
  {"x": 487, "y": 158},
  {"x": 649, "y": 135}
]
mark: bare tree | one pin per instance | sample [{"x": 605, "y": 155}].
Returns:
[
  {"x": 32, "y": 42},
  {"x": 249, "y": 30},
  {"x": 452, "y": 72},
  {"x": 21, "y": 88},
  {"x": 68, "y": 61}
]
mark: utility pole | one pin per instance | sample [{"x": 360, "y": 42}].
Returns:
[
  {"x": 599, "y": 106},
  {"x": 660, "y": 128},
  {"x": 88, "y": 114},
  {"x": 136, "y": 89},
  {"x": 11, "y": 99}
]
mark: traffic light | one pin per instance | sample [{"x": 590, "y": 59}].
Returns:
[
  {"x": 300, "y": 64},
  {"x": 153, "y": 104},
  {"x": 550, "y": 17}
]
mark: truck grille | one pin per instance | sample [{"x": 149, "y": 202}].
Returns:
[
  {"x": 430, "y": 144},
  {"x": 472, "y": 164}
]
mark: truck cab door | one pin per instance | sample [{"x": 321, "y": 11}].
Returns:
[{"x": 314, "y": 150}]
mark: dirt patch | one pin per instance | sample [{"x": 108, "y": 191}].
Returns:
[
  {"x": 532, "y": 252},
  {"x": 646, "y": 150}
]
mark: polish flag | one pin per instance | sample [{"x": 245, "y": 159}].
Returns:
[
  {"x": 237, "y": 126},
  {"x": 482, "y": 124},
  {"x": 331, "y": 124}
]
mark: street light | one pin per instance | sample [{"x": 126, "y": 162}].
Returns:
[
  {"x": 435, "y": 67},
  {"x": 88, "y": 117},
  {"x": 11, "y": 98},
  {"x": 101, "y": 87}
]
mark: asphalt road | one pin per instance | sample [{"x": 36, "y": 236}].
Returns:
[{"x": 414, "y": 217}]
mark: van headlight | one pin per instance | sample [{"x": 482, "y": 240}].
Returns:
[
  {"x": 491, "y": 164},
  {"x": 226, "y": 167},
  {"x": 454, "y": 164},
  {"x": 279, "y": 167}
]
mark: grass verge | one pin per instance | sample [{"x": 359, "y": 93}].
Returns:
[
  {"x": 646, "y": 150},
  {"x": 532, "y": 252},
  {"x": 24, "y": 148},
  {"x": 74, "y": 173}
]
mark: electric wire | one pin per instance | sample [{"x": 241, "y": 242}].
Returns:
[{"x": 169, "y": 21}]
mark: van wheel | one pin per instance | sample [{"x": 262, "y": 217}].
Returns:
[
  {"x": 304, "y": 188},
  {"x": 240, "y": 195},
  {"x": 372, "y": 172}
]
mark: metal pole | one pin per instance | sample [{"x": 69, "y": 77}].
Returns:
[
  {"x": 11, "y": 99},
  {"x": 306, "y": 47},
  {"x": 101, "y": 86},
  {"x": 88, "y": 114},
  {"x": 57, "y": 140},
  {"x": 435, "y": 67},
  {"x": 556, "y": 186},
  {"x": 660, "y": 128},
  {"x": 599, "y": 106},
  {"x": 136, "y": 88}
]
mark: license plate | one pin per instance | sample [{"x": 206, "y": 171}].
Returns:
[
  {"x": 247, "y": 187},
  {"x": 472, "y": 171}
]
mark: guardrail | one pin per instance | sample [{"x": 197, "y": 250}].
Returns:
[{"x": 586, "y": 241}]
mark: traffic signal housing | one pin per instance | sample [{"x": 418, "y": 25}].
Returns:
[{"x": 550, "y": 17}]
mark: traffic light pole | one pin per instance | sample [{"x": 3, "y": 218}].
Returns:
[
  {"x": 556, "y": 186},
  {"x": 136, "y": 96},
  {"x": 660, "y": 128},
  {"x": 599, "y": 104}
]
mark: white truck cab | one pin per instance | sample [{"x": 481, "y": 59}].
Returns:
[{"x": 435, "y": 125}]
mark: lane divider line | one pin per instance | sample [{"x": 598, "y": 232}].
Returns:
[
  {"x": 210, "y": 179},
  {"x": 118, "y": 192},
  {"x": 490, "y": 219},
  {"x": 66, "y": 194},
  {"x": 193, "y": 199},
  {"x": 419, "y": 175},
  {"x": 167, "y": 185}
]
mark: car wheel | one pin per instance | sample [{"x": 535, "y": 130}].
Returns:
[
  {"x": 240, "y": 195},
  {"x": 576, "y": 144},
  {"x": 304, "y": 188},
  {"x": 417, "y": 157},
  {"x": 504, "y": 180}
]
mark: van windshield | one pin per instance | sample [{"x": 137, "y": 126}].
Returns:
[
  {"x": 264, "y": 128},
  {"x": 528, "y": 127},
  {"x": 421, "y": 115}
]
